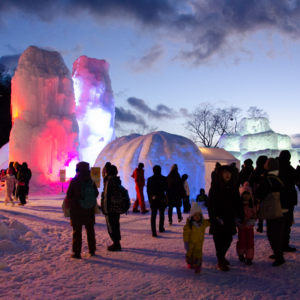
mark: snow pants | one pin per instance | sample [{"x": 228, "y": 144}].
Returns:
[
  {"x": 139, "y": 198},
  {"x": 274, "y": 229},
  {"x": 77, "y": 238},
  {"x": 8, "y": 198},
  {"x": 193, "y": 261},
  {"x": 113, "y": 227},
  {"x": 186, "y": 204},
  {"x": 245, "y": 243},
  {"x": 161, "y": 218}
]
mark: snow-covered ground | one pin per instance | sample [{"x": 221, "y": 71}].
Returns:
[{"x": 35, "y": 244}]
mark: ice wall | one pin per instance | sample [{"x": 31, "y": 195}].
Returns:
[
  {"x": 255, "y": 138},
  {"x": 4, "y": 153},
  {"x": 157, "y": 148},
  {"x": 95, "y": 106},
  {"x": 45, "y": 130}
]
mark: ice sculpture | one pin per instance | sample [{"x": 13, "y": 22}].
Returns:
[
  {"x": 157, "y": 148},
  {"x": 4, "y": 153},
  {"x": 255, "y": 138},
  {"x": 95, "y": 106},
  {"x": 45, "y": 130}
]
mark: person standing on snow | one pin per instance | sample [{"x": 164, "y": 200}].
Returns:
[
  {"x": 193, "y": 237},
  {"x": 177, "y": 192},
  {"x": 10, "y": 181},
  {"x": 157, "y": 190},
  {"x": 245, "y": 243},
  {"x": 23, "y": 181},
  {"x": 139, "y": 178},
  {"x": 112, "y": 218},
  {"x": 223, "y": 209},
  {"x": 79, "y": 215},
  {"x": 186, "y": 199}
]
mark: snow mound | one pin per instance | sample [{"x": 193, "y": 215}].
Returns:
[
  {"x": 95, "y": 106},
  {"x": 45, "y": 130},
  {"x": 157, "y": 148}
]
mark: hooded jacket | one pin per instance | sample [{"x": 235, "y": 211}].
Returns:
[{"x": 79, "y": 215}]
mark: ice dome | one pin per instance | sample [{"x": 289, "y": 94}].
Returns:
[{"x": 157, "y": 148}]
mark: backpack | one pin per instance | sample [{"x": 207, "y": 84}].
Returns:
[
  {"x": 270, "y": 208},
  {"x": 87, "y": 197},
  {"x": 119, "y": 201}
]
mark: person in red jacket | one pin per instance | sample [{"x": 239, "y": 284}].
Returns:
[{"x": 139, "y": 178}]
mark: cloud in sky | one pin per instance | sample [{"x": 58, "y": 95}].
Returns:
[
  {"x": 127, "y": 116},
  {"x": 148, "y": 60},
  {"x": 204, "y": 27}
]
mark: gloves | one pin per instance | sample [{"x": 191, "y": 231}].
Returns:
[
  {"x": 220, "y": 221},
  {"x": 186, "y": 246},
  {"x": 251, "y": 222},
  {"x": 238, "y": 222}
]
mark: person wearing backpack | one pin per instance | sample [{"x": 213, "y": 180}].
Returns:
[
  {"x": 83, "y": 193},
  {"x": 111, "y": 190},
  {"x": 271, "y": 183}
]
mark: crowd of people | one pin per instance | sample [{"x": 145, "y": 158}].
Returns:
[
  {"x": 235, "y": 201},
  {"x": 16, "y": 178}
]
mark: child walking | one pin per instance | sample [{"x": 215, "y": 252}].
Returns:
[
  {"x": 193, "y": 237},
  {"x": 245, "y": 243},
  {"x": 10, "y": 181}
]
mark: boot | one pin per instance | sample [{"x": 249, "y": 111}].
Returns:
[
  {"x": 249, "y": 262},
  {"x": 114, "y": 247},
  {"x": 197, "y": 269},
  {"x": 241, "y": 258},
  {"x": 278, "y": 261},
  {"x": 222, "y": 265},
  {"x": 227, "y": 263},
  {"x": 288, "y": 248},
  {"x": 191, "y": 266},
  {"x": 76, "y": 255}
]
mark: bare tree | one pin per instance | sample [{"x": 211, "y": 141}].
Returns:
[
  {"x": 255, "y": 112},
  {"x": 208, "y": 123}
]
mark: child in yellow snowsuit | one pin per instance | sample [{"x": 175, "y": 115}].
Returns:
[{"x": 193, "y": 237}]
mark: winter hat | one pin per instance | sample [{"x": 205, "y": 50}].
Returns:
[
  {"x": 174, "y": 167},
  {"x": 248, "y": 162},
  {"x": 285, "y": 155},
  {"x": 246, "y": 188},
  {"x": 271, "y": 164},
  {"x": 82, "y": 166},
  {"x": 195, "y": 208}
]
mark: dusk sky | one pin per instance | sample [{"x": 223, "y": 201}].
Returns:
[{"x": 176, "y": 53}]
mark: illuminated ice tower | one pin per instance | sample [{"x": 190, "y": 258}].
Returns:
[
  {"x": 95, "y": 106},
  {"x": 45, "y": 131}
]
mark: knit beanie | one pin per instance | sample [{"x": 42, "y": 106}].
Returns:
[
  {"x": 246, "y": 188},
  {"x": 271, "y": 164},
  {"x": 174, "y": 167},
  {"x": 195, "y": 208},
  {"x": 83, "y": 166}
]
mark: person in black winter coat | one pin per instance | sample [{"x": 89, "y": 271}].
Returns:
[
  {"x": 289, "y": 177},
  {"x": 214, "y": 173},
  {"x": 112, "y": 219},
  {"x": 157, "y": 190},
  {"x": 255, "y": 179},
  {"x": 245, "y": 172},
  {"x": 22, "y": 177},
  {"x": 272, "y": 183},
  {"x": 177, "y": 193},
  {"x": 223, "y": 209}
]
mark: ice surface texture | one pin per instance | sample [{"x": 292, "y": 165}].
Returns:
[
  {"x": 157, "y": 148},
  {"x": 256, "y": 138},
  {"x": 45, "y": 130},
  {"x": 95, "y": 106},
  {"x": 4, "y": 153}
]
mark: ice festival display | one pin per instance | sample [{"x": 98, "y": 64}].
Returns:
[
  {"x": 95, "y": 106},
  {"x": 45, "y": 130},
  {"x": 4, "y": 154},
  {"x": 157, "y": 148},
  {"x": 255, "y": 138}
]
